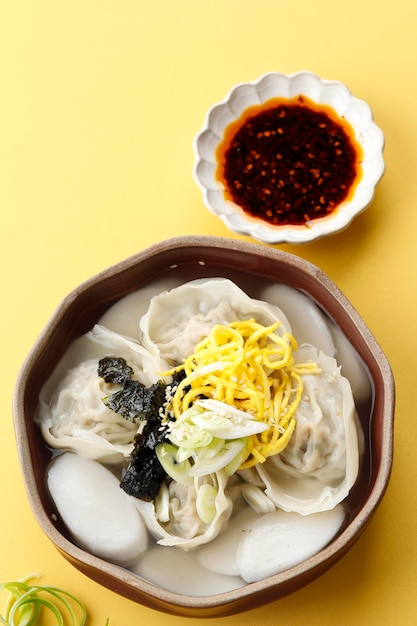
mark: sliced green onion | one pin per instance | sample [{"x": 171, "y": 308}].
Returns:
[
  {"x": 240, "y": 458},
  {"x": 206, "y": 502},
  {"x": 189, "y": 436},
  {"x": 226, "y": 421},
  {"x": 203, "y": 467},
  {"x": 162, "y": 504},
  {"x": 179, "y": 471},
  {"x": 210, "y": 451},
  {"x": 25, "y": 604}
]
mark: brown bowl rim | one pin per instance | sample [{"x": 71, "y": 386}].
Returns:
[{"x": 252, "y": 594}]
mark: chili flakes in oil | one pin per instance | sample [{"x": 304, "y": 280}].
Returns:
[{"x": 290, "y": 163}]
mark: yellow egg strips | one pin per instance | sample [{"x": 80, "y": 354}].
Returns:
[{"x": 251, "y": 367}]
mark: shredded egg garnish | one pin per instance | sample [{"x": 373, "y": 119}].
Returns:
[{"x": 251, "y": 368}]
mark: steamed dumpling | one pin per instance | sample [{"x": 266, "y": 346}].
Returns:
[
  {"x": 179, "y": 319},
  {"x": 181, "y": 525},
  {"x": 77, "y": 418},
  {"x": 308, "y": 322},
  {"x": 310, "y": 325},
  {"x": 320, "y": 464},
  {"x": 99, "y": 515},
  {"x": 146, "y": 365},
  {"x": 352, "y": 367}
]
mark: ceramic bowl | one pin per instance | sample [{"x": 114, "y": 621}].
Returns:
[
  {"x": 173, "y": 262},
  {"x": 275, "y": 85}
]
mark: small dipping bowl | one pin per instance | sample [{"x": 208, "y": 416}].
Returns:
[
  {"x": 159, "y": 267},
  {"x": 290, "y": 178}
]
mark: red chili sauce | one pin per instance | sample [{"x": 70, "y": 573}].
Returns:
[{"x": 289, "y": 161}]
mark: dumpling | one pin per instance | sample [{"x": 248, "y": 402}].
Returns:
[
  {"x": 180, "y": 524},
  {"x": 146, "y": 365},
  {"x": 178, "y": 319},
  {"x": 310, "y": 325},
  {"x": 308, "y": 322},
  {"x": 77, "y": 418},
  {"x": 320, "y": 464},
  {"x": 352, "y": 367}
]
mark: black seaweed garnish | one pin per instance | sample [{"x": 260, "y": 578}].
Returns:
[
  {"x": 114, "y": 369},
  {"x": 138, "y": 403},
  {"x": 145, "y": 474},
  {"x": 133, "y": 401}
]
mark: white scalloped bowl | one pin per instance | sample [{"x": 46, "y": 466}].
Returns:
[{"x": 275, "y": 85}]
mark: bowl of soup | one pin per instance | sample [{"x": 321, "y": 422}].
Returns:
[
  {"x": 208, "y": 407},
  {"x": 288, "y": 157}
]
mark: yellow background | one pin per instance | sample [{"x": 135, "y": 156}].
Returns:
[{"x": 99, "y": 104}]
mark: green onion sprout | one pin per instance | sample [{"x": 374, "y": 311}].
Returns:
[{"x": 24, "y": 604}]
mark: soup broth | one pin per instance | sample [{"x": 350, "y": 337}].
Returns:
[{"x": 201, "y": 571}]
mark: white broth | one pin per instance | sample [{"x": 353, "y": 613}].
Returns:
[{"x": 250, "y": 545}]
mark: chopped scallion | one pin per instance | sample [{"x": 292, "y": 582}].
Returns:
[{"x": 25, "y": 603}]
